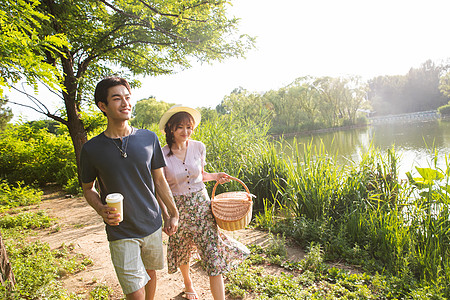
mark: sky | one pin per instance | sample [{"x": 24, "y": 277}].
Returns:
[{"x": 295, "y": 38}]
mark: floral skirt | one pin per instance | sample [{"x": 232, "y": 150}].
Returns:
[{"x": 197, "y": 229}]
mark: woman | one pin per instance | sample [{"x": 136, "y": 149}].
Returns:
[{"x": 185, "y": 159}]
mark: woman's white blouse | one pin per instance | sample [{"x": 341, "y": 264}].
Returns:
[{"x": 185, "y": 177}]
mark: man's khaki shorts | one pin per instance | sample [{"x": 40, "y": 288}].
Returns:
[{"x": 132, "y": 257}]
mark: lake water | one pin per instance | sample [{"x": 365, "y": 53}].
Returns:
[{"x": 413, "y": 142}]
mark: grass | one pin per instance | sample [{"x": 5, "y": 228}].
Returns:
[
  {"x": 307, "y": 279},
  {"x": 37, "y": 268}
]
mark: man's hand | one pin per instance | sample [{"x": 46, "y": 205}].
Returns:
[{"x": 109, "y": 215}]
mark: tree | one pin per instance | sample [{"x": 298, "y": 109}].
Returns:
[
  {"x": 245, "y": 105},
  {"x": 305, "y": 98},
  {"x": 330, "y": 94},
  {"x": 148, "y": 111},
  {"x": 420, "y": 89},
  {"x": 22, "y": 48},
  {"x": 385, "y": 94},
  {"x": 6, "y": 273},
  {"x": 132, "y": 37}
]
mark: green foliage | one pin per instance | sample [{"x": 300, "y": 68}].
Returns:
[
  {"x": 23, "y": 47},
  {"x": 100, "y": 292},
  {"x": 50, "y": 125},
  {"x": 307, "y": 103},
  {"x": 231, "y": 146},
  {"x": 314, "y": 258},
  {"x": 35, "y": 155},
  {"x": 245, "y": 105},
  {"x": 18, "y": 195},
  {"x": 363, "y": 214},
  {"x": 311, "y": 278},
  {"x": 37, "y": 268},
  {"x": 208, "y": 113},
  {"x": 277, "y": 246},
  {"x": 94, "y": 121},
  {"x": 73, "y": 186},
  {"x": 26, "y": 220},
  {"x": 444, "y": 110},
  {"x": 317, "y": 281}
]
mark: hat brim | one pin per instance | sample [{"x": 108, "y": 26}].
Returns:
[{"x": 176, "y": 109}]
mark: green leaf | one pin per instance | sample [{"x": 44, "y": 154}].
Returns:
[{"x": 429, "y": 174}]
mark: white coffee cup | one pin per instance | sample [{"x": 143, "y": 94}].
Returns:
[{"x": 116, "y": 200}]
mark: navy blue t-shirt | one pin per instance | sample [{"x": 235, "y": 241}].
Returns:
[{"x": 131, "y": 176}]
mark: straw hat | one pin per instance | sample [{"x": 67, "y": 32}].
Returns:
[{"x": 179, "y": 108}]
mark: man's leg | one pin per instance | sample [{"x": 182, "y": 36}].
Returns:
[
  {"x": 153, "y": 259},
  {"x": 150, "y": 287},
  {"x": 130, "y": 270},
  {"x": 137, "y": 295}
]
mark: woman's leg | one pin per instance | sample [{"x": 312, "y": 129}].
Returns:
[
  {"x": 188, "y": 285},
  {"x": 217, "y": 287}
]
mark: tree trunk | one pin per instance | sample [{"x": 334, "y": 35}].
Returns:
[
  {"x": 74, "y": 123},
  {"x": 7, "y": 275}
]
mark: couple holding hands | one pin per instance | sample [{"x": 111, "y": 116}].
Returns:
[{"x": 156, "y": 183}]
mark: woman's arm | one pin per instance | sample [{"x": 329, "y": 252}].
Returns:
[{"x": 221, "y": 177}]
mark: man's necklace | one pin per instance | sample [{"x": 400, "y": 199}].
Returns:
[{"x": 123, "y": 152}]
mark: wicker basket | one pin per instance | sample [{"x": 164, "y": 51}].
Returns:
[{"x": 232, "y": 210}]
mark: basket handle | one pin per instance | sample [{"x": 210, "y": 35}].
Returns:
[{"x": 232, "y": 178}]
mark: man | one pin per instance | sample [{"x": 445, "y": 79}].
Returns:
[{"x": 126, "y": 160}]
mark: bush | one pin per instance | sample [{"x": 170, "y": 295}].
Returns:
[
  {"x": 36, "y": 156},
  {"x": 26, "y": 220},
  {"x": 444, "y": 110},
  {"x": 18, "y": 195}
]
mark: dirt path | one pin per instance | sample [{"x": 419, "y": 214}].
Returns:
[{"x": 80, "y": 226}]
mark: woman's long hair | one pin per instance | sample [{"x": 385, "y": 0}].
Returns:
[{"x": 181, "y": 117}]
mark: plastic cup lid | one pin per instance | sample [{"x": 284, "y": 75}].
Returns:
[{"x": 115, "y": 197}]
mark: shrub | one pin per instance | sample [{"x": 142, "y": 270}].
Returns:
[
  {"x": 18, "y": 195},
  {"x": 26, "y": 220},
  {"x": 444, "y": 110},
  {"x": 35, "y": 155}
]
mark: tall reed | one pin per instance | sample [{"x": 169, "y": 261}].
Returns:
[{"x": 313, "y": 183}]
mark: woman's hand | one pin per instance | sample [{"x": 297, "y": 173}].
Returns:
[
  {"x": 222, "y": 177},
  {"x": 172, "y": 226}
]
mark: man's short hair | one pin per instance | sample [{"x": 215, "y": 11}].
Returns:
[{"x": 101, "y": 90}]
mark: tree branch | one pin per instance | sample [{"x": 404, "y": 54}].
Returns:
[
  {"x": 41, "y": 108},
  {"x": 147, "y": 23},
  {"x": 174, "y": 15}
]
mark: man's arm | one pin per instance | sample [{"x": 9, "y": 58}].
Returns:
[
  {"x": 164, "y": 213},
  {"x": 164, "y": 194},
  {"x": 93, "y": 198}
]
